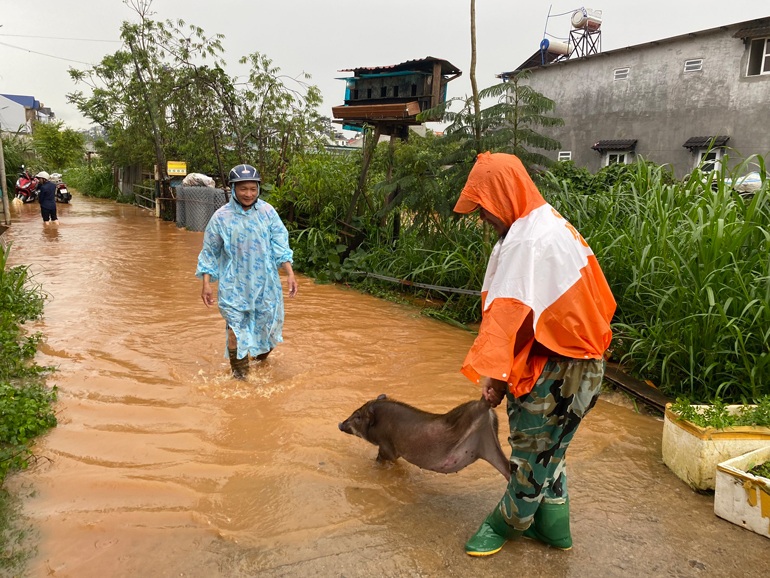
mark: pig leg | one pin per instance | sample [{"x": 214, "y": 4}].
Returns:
[
  {"x": 387, "y": 453},
  {"x": 489, "y": 447}
]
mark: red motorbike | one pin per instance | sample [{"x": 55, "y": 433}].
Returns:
[{"x": 26, "y": 187}]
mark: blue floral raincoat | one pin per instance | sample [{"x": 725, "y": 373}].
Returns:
[{"x": 242, "y": 251}]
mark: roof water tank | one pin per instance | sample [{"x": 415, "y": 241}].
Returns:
[
  {"x": 587, "y": 19},
  {"x": 554, "y": 47}
]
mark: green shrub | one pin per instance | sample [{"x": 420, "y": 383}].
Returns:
[
  {"x": 716, "y": 414},
  {"x": 96, "y": 181},
  {"x": 25, "y": 403},
  {"x": 688, "y": 265}
]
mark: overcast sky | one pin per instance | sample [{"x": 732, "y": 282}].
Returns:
[{"x": 322, "y": 36}]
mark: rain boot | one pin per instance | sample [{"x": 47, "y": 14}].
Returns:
[
  {"x": 551, "y": 525},
  {"x": 493, "y": 533},
  {"x": 240, "y": 367}
]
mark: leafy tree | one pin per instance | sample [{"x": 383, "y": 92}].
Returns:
[
  {"x": 58, "y": 146},
  {"x": 166, "y": 94},
  {"x": 519, "y": 112}
]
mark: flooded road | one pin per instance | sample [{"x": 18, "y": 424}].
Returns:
[{"x": 164, "y": 466}]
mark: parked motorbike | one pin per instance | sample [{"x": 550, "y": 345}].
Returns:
[
  {"x": 26, "y": 187},
  {"x": 62, "y": 193}
]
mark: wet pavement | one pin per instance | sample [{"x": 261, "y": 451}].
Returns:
[{"x": 164, "y": 466}]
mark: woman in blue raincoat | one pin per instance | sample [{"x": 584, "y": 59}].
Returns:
[{"x": 244, "y": 245}]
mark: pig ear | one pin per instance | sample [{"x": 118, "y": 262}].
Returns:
[{"x": 382, "y": 396}]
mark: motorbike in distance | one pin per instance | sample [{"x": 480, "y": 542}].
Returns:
[
  {"x": 62, "y": 193},
  {"x": 26, "y": 187}
]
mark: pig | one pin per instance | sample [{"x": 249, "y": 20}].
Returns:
[{"x": 441, "y": 443}]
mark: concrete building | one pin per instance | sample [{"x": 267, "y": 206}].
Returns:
[
  {"x": 665, "y": 100},
  {"x": 19, "y": 111}
]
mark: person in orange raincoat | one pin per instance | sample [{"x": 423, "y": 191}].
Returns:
[{"x": 545, "y": 327}]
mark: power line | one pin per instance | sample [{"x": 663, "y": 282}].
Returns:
[
  {"x": 61, "y": 38},
  {"x": 44, "y": 54}
]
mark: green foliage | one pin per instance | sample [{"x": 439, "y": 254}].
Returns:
[
  {"x": 25, "y": 403},
  {"x": 26, "y": 413},
  {"x": 167, "y": 95},
  {"x": 762, "y": 470},
  {"x": 718, "y": 415},
  {"x": 508, "y": 126},
  {"x": 59, "y": 147},
  {"x": 95, "y": 181},
  {"x": 688, "y": 265},
  {"x": 17, "y": 151}
]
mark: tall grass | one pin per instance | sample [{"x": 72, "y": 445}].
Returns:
[
  {"x": 95, "y": 181},
  {"x": 689, "y": 265}
]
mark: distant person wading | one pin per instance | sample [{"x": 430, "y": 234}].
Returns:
[
  {"x": 47, "y": 198},
  {"x": 244, "y": 245},
  {"x": 546, "y": 312}
]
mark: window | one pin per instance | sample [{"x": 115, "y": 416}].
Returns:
[
  {"x": 384, "y": 92},
  {"x": 395, "y": 92},
  {"x": 617, "y": 157},
  {"x": 709, "y": 160},
  {"x": 355, "y": 94},
  {"x": 759, "y": 57},
  {"x": 369, "y": 93},
  {"x": 565, "y": 155},
  {"x": 414, "y": 90},
  {"x": 621, "y": 73},
  {"x": 693, "y": 65}
]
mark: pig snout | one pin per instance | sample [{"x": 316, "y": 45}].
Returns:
[{"x": 339, "y": 425}]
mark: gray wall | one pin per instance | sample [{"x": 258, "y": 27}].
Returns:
[{"x": 660, "y": 104}]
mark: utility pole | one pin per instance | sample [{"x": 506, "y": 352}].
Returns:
[{"x": 3, "y": 181}]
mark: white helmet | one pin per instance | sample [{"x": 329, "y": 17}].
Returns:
[{"x": 43, "y": 175}]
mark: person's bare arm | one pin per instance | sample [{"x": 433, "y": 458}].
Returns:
[
  {"x": 291, "y": 281},
  {"x": 207, "y": 294}
]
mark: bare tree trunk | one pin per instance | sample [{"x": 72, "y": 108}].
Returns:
[
  {"x": 368, "y": 152},
  {"x": 219, "y": 163},
  {"x": 474, "y": 86},
  {"x": 4, "y": 187},
  {"x": 476, "y": 102}
]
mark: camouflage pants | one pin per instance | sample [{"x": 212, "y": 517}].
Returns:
[{"x": 543, "y": 423}]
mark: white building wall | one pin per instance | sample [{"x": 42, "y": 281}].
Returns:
[{"x": 12, "y": 116}]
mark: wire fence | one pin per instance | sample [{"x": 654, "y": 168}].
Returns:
[{"x": 196, "y": 205}]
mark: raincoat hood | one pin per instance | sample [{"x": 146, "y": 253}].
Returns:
[{"x": 500, "y": 183}]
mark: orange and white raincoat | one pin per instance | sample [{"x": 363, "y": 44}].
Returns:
[{"x": 543, "y": 266}]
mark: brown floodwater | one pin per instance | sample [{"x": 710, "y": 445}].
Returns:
[{"x": 164, "y": 466}]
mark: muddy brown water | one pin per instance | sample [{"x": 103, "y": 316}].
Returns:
[{"x": 163, "y": 466}]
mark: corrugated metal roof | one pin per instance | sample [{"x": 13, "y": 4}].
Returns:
[
  {"x": 697, "y": 142},
  {"x": 425, "y": 64},
  {"x": 753, "y": 31},
  {"x": 615, "y": 145}
]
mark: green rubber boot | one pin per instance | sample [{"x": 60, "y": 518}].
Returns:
[
  {"x": 493, "y": 533},
  {"x": 551, "y": 526}
]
